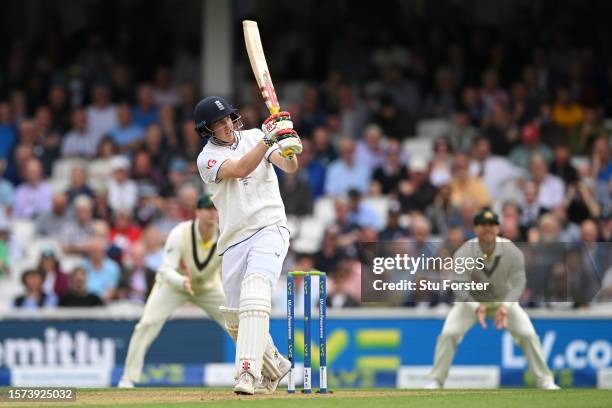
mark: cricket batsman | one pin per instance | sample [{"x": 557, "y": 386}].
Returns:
[
  {"x": 189, "y": 272},
  {"x": 237, "y": 166},
  {"x": 504, "y": 269}
]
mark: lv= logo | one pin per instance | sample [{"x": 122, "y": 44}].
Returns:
[{"x": 365, "y": 344}]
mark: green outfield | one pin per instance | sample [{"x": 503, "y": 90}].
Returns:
[{"x": 224, "y": 398}]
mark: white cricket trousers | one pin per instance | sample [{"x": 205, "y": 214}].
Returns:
[
  {"x": 263, "y": 253},
  {"x": 462, "y": 317},
  {"x": 162, "y": 301}
]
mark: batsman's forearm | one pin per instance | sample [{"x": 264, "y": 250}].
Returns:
[
  {"x": 251, "y": 160},
  {"x": 291, "y": 166},
  {"x": 245, "y": 165},
  {"x": 286, "y": 165}
]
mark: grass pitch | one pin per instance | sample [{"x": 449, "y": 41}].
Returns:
[{"x": 343, "y": 398}]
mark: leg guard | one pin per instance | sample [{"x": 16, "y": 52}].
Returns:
[
  {"x": 270, "y": 365},
  {"x": 254, "y": 313}
]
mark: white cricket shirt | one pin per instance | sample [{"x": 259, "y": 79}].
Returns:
[{"x": 248, "y": 204}]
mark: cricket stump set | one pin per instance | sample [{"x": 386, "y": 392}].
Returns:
[{"x": 307, "y": 330}]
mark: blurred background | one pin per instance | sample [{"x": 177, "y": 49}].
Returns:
[{"x": 413, "y": 116}]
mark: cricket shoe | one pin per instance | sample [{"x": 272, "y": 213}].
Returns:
[
  {"x": 245, "y": 384},
  {"x": 125, "y": 384},
  {"x": 266, "y": 385},
  {"x": 433, "y": 385},
  {"x": 550, "y": 386}
]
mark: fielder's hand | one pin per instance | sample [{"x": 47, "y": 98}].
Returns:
[
  {"x": 187, "y": 285},
  {"x": 501, "y": 318},
  {"x": 481, "y": 312}
]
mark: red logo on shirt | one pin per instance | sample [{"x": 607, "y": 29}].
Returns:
[{"x": 211, "y": 163}]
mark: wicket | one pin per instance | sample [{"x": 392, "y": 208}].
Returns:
[{"x": 307, "y": 330}]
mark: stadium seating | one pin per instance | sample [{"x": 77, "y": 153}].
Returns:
[
  {"x": 309, "y": 238},
  {"x": 293, "y": 223},
  {"x": 432, "y": 128},
  {"x": 62, "y": 168},
  {"x": 324, "y": 210},
  {"x": 418, "y": 147},
  {"x": 23, "y": 230}
]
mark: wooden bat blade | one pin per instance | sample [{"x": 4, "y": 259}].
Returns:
[{"x": 259, "y": 65}]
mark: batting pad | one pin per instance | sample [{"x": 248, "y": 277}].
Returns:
[
  {"x": 270, "y": 358},
  {"x": 254, "y": 313}
]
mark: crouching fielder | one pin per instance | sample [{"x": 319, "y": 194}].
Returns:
[
  {"x": 504, "y": 270},
  {"x": 237, "y": 166},
  {"x": 189, "y": 272}
]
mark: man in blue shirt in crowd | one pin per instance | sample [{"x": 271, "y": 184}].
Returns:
[
  {"x": 102, "y": 272},
  {"x": 344, "y": 173},
  {"x": 127, "y": 134}
]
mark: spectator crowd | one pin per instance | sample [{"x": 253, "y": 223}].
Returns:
[{"x": 103, "y": 163}]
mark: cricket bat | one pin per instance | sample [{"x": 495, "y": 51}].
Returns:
[{"x": 259, "y": 65}]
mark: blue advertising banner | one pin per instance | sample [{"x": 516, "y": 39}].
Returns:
[
  {"x": 105, "y": 342},
  {"x": 360, "y": 351}
]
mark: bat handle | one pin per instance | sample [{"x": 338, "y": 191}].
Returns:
[{"x": 274, "y": 110}]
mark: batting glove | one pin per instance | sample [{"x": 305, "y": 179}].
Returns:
[
  {"x": 290, "y": 145},
  {"x": 277, "y": 125}
]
